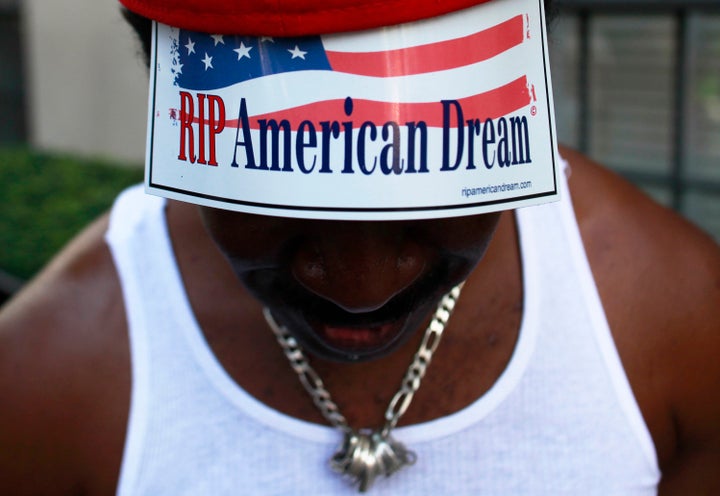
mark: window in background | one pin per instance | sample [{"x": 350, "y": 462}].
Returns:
[
  {"x": 564, "y": 47},
  {"x": 701, "y": 152},
  {"x": 631, "y": 92},
  {"x": 640, "y": 93}
]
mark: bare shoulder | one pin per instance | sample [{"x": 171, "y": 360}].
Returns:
[
  {"x": 64, "y": 373},
  {"x": 659, "y": 279}
]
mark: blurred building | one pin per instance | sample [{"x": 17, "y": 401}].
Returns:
[
  {"x": 85, "y": 88},
  {"x": 637, "y": 87}
]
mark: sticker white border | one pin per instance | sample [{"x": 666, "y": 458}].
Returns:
[{"x": 359, "y": 197}]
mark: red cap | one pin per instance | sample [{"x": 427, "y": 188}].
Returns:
[{"x": 290, "y": 17}]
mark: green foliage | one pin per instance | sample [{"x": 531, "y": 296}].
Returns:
[{"x": 46, "y": 199}]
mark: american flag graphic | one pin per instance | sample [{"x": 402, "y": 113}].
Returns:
[{"x": 204, "y": 62}]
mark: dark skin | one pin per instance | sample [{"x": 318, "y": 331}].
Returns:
[{"x": 65, "y": 366}]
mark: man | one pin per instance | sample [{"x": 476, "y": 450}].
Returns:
[{"x": 140, "y": 361}]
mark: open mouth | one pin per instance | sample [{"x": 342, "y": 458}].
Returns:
[
  {"x": 327, "y": 330},
  {"x": 366, "y": 333},
  {"x": 360, "y": 338}
]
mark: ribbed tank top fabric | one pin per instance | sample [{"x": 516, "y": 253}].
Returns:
[{"x": 561, "y": 419}]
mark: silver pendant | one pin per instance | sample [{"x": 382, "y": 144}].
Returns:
[{"x": 364, "y": 456}]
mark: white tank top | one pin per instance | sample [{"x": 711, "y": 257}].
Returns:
[{"x": 561, "y": 419}]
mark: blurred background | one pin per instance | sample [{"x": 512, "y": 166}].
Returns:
[{"x": 636, "y": 82}]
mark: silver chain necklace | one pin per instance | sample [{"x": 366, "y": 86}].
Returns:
[{"x": 366, "y": 454}]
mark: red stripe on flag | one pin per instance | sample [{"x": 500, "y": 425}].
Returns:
[
  {"x": 489, "y": 105},
  {"x": 438, "y": 56}
]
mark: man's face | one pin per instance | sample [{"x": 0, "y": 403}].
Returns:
[{"x": 350, "y": 291}]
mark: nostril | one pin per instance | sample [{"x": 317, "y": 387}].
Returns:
[
  {"x": 408, "y": 263},
  {"x": 309, "y": 267},
  {"x": 314, "y": 269}
]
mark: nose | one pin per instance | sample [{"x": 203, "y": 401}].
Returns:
[{"x": 358, "y": 266}]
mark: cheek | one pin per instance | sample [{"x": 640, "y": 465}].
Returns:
[
  {"x": 460, "y": 242},
  {"x": 246, "y": 239},
  {"x": 464, "y": 237}
]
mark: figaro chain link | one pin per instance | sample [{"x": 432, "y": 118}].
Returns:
[
  {"x": 310, "y": 379},
  {"x": 399, "y": 404}
]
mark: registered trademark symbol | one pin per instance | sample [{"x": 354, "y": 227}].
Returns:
[{"x": 533, "y": 110}]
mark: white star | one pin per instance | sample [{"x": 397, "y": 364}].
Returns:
[
  {"x": 243, "y": 51},
  {"x": 296, "y": 52},
  {"x": 218, "y": 38},
  {"x": 267, "y": 38},
  {"x": 190, "y": 46},
  {"x": 178, "y": 68},
  {"x": 208, "y": 62}
]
